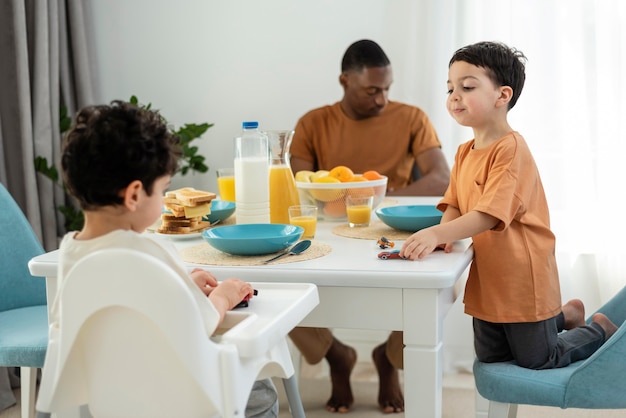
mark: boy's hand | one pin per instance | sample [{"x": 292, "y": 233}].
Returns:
[
  {"x": 204, "y": 280},
  {"x": 230, "y": 292},
  {"x": 420, "y": 244}
]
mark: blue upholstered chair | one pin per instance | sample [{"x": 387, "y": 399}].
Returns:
[
  {"x": 23, "y": 308},
  {"x": 599, "y": 382}
]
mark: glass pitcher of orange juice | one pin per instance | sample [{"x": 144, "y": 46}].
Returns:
[{"x": 283, "y": 191}]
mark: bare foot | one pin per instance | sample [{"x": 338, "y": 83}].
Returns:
[
  {"x": 574, "y": 313},
  {"x": 606, "y": 324},
  {"x": 390, "y": 398},
  {"x": 341, "y": 359}
]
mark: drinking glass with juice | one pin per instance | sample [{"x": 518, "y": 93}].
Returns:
[
  {"x": 306, "y": 217},
  {"x": 226, "y": 183},
  {"x": 359, "y": 210}
]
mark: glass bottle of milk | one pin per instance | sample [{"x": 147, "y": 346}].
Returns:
[{"x": 252, "y": 187}]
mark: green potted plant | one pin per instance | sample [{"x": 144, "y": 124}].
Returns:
[{"x": 190, "y": 161}]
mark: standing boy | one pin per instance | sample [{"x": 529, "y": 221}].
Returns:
[{"x": 496, "y": 198}]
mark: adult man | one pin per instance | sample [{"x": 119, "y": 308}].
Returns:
[{"x": 366, "y": 131}]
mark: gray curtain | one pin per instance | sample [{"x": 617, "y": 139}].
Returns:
[
  {"x": 45, "y": 51},
  {"x": 45, "y": 61}
]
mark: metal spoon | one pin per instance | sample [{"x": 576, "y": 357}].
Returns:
[{"x": 296, "y": 249}]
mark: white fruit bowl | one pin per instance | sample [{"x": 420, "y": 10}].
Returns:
[{"x": 330, "y": 197}]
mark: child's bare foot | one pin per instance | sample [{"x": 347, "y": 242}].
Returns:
[
  {"x": 574, "y": 313},
  {"x": 390, "y": 398},
  {"x": 606, "y": 324},
  {"x": 341, "y": 359}
]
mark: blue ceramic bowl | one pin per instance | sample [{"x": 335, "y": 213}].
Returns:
[
  {"x": 220, "y": 210},
  {"x": 409, "y": 217},
  {"x": 252, "y": 239}
]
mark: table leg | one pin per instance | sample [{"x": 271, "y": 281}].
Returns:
[{"x": 424, "y": 311}]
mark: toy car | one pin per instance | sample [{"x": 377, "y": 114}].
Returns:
[
  {"x": 384, "y": 255},
  {"x": 385, "y": 243}
]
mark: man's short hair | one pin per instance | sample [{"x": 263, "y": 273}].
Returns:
[{"x": 363, "y": 53}]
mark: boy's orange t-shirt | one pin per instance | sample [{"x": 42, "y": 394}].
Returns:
[
  {"x": 513, "y": 277},
  {"x": 387, "y": 143}
]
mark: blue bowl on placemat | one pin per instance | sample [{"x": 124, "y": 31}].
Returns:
[
  {"x": 220, "y": 210},
  {"x": 409, "y": 218},
  {"x": 252, "y": 239}
]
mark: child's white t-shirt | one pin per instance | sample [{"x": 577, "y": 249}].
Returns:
[{"x": 72, "y": 250}]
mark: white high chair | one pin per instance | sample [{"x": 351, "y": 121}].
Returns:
[{"x": 132, "y": 343}]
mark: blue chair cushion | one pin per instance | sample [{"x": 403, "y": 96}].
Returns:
[
  {"x": 509, "y": 383},
  {"x": 24, "y": 336}
]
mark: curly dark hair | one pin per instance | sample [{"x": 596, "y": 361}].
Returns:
[
  {"x": 110, "y": 146},
  {"x": 363, "y": 53},
  {"x": 505, "y": 65}
]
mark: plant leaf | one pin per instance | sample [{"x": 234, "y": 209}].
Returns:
[{"x": 50, "y": 171}]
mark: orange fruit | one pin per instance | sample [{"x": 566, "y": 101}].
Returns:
[
  {"x": 335, "y": 209},
  {"x": 341, "y": 173},
  {"x": 358, "y": 178},
  {"x": 326, "y": 194},
  {"x": 372, "y": 175},
  {"x": 326, "y": 179}
]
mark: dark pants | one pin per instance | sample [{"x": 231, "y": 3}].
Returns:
[{"x": 535, "y": 345}]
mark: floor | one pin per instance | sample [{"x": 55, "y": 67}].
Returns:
[{"x": 458, "y": 398}]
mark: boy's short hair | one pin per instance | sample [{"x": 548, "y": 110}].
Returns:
[
  {"x": 505, "y": 65},
  {"x": 363, "y": 53},
  {"x": 110, "y": 146}
]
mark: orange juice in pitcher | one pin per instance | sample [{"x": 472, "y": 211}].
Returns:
[{"x": 283, "y": 190}]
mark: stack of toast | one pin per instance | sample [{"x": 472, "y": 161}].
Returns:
[{"x": 185, "y": 209}]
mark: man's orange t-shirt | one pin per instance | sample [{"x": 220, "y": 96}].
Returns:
[
  {"x": 513, "y": 277},
  {"x": 388, "y": 143}
]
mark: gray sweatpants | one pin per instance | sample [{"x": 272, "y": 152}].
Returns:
[{"x": 263, "y": 401}]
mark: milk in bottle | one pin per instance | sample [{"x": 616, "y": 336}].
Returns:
[{"x": 252, "y": 162}]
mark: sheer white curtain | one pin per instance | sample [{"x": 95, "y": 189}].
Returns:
[{"x": 570, "y": 112}]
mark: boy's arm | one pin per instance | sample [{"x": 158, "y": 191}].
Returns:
[{"x": 452, "y": 228}]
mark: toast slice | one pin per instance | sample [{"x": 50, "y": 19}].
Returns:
[
  {"x": 200, "y": 226},
  {"x": 193, "y": 197}
]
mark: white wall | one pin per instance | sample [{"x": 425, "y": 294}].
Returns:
[{"x": 228, "y": 61}]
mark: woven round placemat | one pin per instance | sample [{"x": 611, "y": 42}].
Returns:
[
  {"x": 375, "y": 230},
  {"x": 205, "y": 254}
]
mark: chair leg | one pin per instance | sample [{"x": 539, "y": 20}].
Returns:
[
  {"x": 296, "y": 358},
  {"x": 502, "y": 410},
  {"x": 293, "y": 397},
  {"x": 482, "y": 405},
  {"x": 28, "y": 384}
]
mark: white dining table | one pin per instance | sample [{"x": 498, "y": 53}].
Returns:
[{"x": 357, "y": 290}]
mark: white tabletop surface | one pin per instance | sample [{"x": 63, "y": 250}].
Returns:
[{"x": 352, "y": 263}]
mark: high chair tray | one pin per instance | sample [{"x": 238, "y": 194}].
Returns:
[{"x": 271, "y": 315}]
